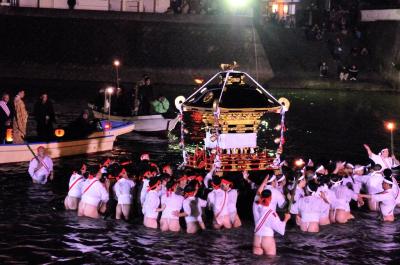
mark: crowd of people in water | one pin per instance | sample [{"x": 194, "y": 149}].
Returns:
[{"x": 312, "y": 195}]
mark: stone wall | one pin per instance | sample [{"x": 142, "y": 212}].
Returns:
[
  {"x": 81, "y": 45},
  {"x": 383, "y": 39}
]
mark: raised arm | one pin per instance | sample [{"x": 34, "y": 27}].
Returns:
[
  {"x": 368, "y": 149},
  {"x": 261, "y": 188}
]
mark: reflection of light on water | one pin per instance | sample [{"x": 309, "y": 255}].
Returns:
[{"x": 81, "y": 247}]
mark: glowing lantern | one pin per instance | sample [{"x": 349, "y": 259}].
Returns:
[
  {"x": 199, "y": 81},
  {"x": 59, "y": 132},
  {"x": 9, "y": 135},
  {"x": 299, "y": 162},
  {"x": 277, "y": 140},
  {"x": 107, "y": 126}
]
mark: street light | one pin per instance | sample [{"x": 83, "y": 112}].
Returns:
[
  {"x": 391, "y": 126},
  {"x": 117, "y": 64},
  {"x": 109, "y": 91}
]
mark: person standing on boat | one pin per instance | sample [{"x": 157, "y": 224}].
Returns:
[
  {"x": 160, "y": 105},
  {"x": 76, "y": 182},
  {"x": 6, "y": 116},
  {"x": 145, "y": 95},
  {"x": 41, "y": 167},
  {"x": 266, "y": 221},
  {"x": 20, "y": 118},
  {"x": 94, "y": 196},
  {"x": 44, "y": 116}
]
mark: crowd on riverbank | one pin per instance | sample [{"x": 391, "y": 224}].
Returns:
[{"x": 314, "y": 194}]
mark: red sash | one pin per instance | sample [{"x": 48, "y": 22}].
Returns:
[
  {"x": 73, "y": 184},
  {"x": 89, "y": 187},
  {"x": 263, "y": 219}
]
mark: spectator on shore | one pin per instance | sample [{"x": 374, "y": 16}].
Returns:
[
  {"x": 323, "y": 70},
  {"x": 337, "y": 50},
  {"x": 353, "y": 72},
  {"x": 343, "y": 74}
]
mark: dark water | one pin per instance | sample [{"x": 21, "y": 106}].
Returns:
[{"x": 34, "y": 228}]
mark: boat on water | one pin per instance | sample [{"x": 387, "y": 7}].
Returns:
[
  {"x": 143, "y": 123},
  {"x": 96, "y": 142}
]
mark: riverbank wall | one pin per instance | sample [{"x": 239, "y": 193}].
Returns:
[{"x": 77, "y": 45}]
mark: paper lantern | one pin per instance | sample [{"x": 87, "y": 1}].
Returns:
[
  {"x": 107, "y": 126},
  {"x": 9, "y": 135},
  {"x": 59, "y": 132}
]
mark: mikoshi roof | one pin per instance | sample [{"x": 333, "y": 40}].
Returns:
[{"x": 239, "y": 91}]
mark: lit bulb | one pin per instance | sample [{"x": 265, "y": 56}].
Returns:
[{"x": 390, "y": 125}]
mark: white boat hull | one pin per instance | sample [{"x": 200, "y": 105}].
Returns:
[
  {"x": 12, "y": 153},
  {"x": 96, "y": 142},
  {"x": 148, "y": 123}
]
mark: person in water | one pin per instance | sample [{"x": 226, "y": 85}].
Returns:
[
  {"x": 76, "y": 182},
  {"x": 217, "y": 200},
  {"x": 266, "y": 221},
  {"x": 123, "y": 191},
  {"x": 192, "y": 209},
  {"x": 386, "y": 199},
  {"x": 94, "y": 196},
  {"x": 310, "y": 208},
  {"x": 382, "y": 158},
  {"x": 171, "y": 203},
  {"x": 151, "y": 206},
  {"x": 41, "y": 167}
]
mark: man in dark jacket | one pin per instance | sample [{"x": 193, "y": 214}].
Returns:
[{"x": 44, "y": 116}]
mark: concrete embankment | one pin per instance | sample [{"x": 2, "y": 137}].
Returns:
[{"x": 81, "y": 45}]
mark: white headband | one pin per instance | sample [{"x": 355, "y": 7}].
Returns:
[
  {"x": 310, "y": 191},
  {"x": 350, "y": 165},
  {"x": 388, "y": 181},
  {"x": 301, "y": 178},
  {"x": 336, "y": 182},
  {"x": 321, "y": 167},
  {"x": 271, "y": 179},
  {"x": 358, "y": 168},
  {"x": 282, "y": 178}
]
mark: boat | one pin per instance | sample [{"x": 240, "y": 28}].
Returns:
[
  {"x": 143, "y": 123},
  {"x": 232, "y": 123},
  {"x": 96, "y": 142}
]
